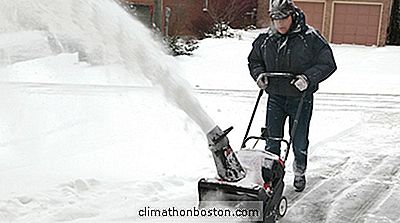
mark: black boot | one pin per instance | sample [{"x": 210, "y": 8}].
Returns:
[{"x": 299, "y": 183}]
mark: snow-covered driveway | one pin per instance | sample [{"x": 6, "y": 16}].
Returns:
[{"x": 353, "y": 171}]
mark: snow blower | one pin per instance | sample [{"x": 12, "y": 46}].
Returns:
[{"x": 248, "y": 175}]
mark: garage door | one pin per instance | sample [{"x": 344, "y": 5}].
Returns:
[
  {"x": 356, "y": 23},
  {"x": 314, "y": 12}
]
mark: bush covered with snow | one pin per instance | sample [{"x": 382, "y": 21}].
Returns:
[
  {"x": 220, "y": 30},
  {"x": 181, "y": 45}
]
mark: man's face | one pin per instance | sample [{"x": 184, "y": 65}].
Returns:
[{"x": 283, "y": 25}]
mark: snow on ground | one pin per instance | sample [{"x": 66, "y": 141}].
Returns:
[{"x": 92, "y": 143}]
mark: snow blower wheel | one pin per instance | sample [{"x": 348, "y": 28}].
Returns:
[{"x": 282, "y": 207}]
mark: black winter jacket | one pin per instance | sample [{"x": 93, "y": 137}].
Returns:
[{"x": 301, "y": 51}]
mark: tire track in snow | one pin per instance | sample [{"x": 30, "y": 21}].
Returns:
[
  {"x": 354, "y": 203},
  {"x": 370, "y": 173},
  {"x": 388, "y": 207},
  {"x": 327, "y": 101},
  {"x": 357, "y": 102},
  {"x": 338, "y": 168},
  {"x": 318, "y": 196},
  {"x": 313, "y": 183}
]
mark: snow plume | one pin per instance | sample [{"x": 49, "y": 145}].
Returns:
[{"x": 103, "y": 33}]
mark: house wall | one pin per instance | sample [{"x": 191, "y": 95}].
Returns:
[
  {"x": 190, "y": 17},
  {"x": 187, "y": 17}
]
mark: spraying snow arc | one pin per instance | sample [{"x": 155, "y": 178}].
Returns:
[{"x": 103, "y": 33}]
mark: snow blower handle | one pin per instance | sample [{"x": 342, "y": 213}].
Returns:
[
  {"x": 295, "y": 123},
  {"x": 281, "y": 75},
  {"x": 260, "y": 93}
]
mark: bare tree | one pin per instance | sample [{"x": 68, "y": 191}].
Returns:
[
  {"x": 228, "y": 11},
  {"x": 263, "y": 19}
]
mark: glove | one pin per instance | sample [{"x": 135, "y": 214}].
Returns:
[
  {"x": 300, "y": 82},
  {"x": 262, "y": 81}
]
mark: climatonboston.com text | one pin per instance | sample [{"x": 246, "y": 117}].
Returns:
[{"x": 212, "y": 211}]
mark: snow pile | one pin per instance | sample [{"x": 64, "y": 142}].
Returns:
[
  {"x": 84, "y": 126},
  {"x": 105, "y": 34},
  {"x": 22, "y": 46}
]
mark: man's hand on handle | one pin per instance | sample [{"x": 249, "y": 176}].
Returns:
[
  {"x": 300, "y": 82},
  {"x": 262, "y": 81}
]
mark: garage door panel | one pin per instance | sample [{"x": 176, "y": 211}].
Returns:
[
  {"x": 350, "y": 30},
  {"x": 362, "y": 31},
  {"x": 314, "y": 13},
  {"x": 371, "y": 39},
  {"x": 363, "y": 20},
  {"x": 340, "y": 39},
  {"x": 363, "y": 11},
  {"x": 348, "y": 39},
  {"x": 371, "y": 29},
  {"x": 351, "y": 18},
  {"x": 341, "y": 29},
  {"x": 341, "y": 20},
  {"x": 350, "y": 10},
  {"x": 373, "y": 20},
  {"x": 359, "y": 40},
  {"x": 361, "y": 23},
  {"x": 374, "y": 11}
]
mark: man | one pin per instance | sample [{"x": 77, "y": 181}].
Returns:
[{"x": 290, "y": 46}]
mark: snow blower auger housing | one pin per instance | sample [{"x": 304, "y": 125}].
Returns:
[{"x": 263, "y": 183}]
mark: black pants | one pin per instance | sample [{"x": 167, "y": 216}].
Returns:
[{"x": 278, "y": 109}]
